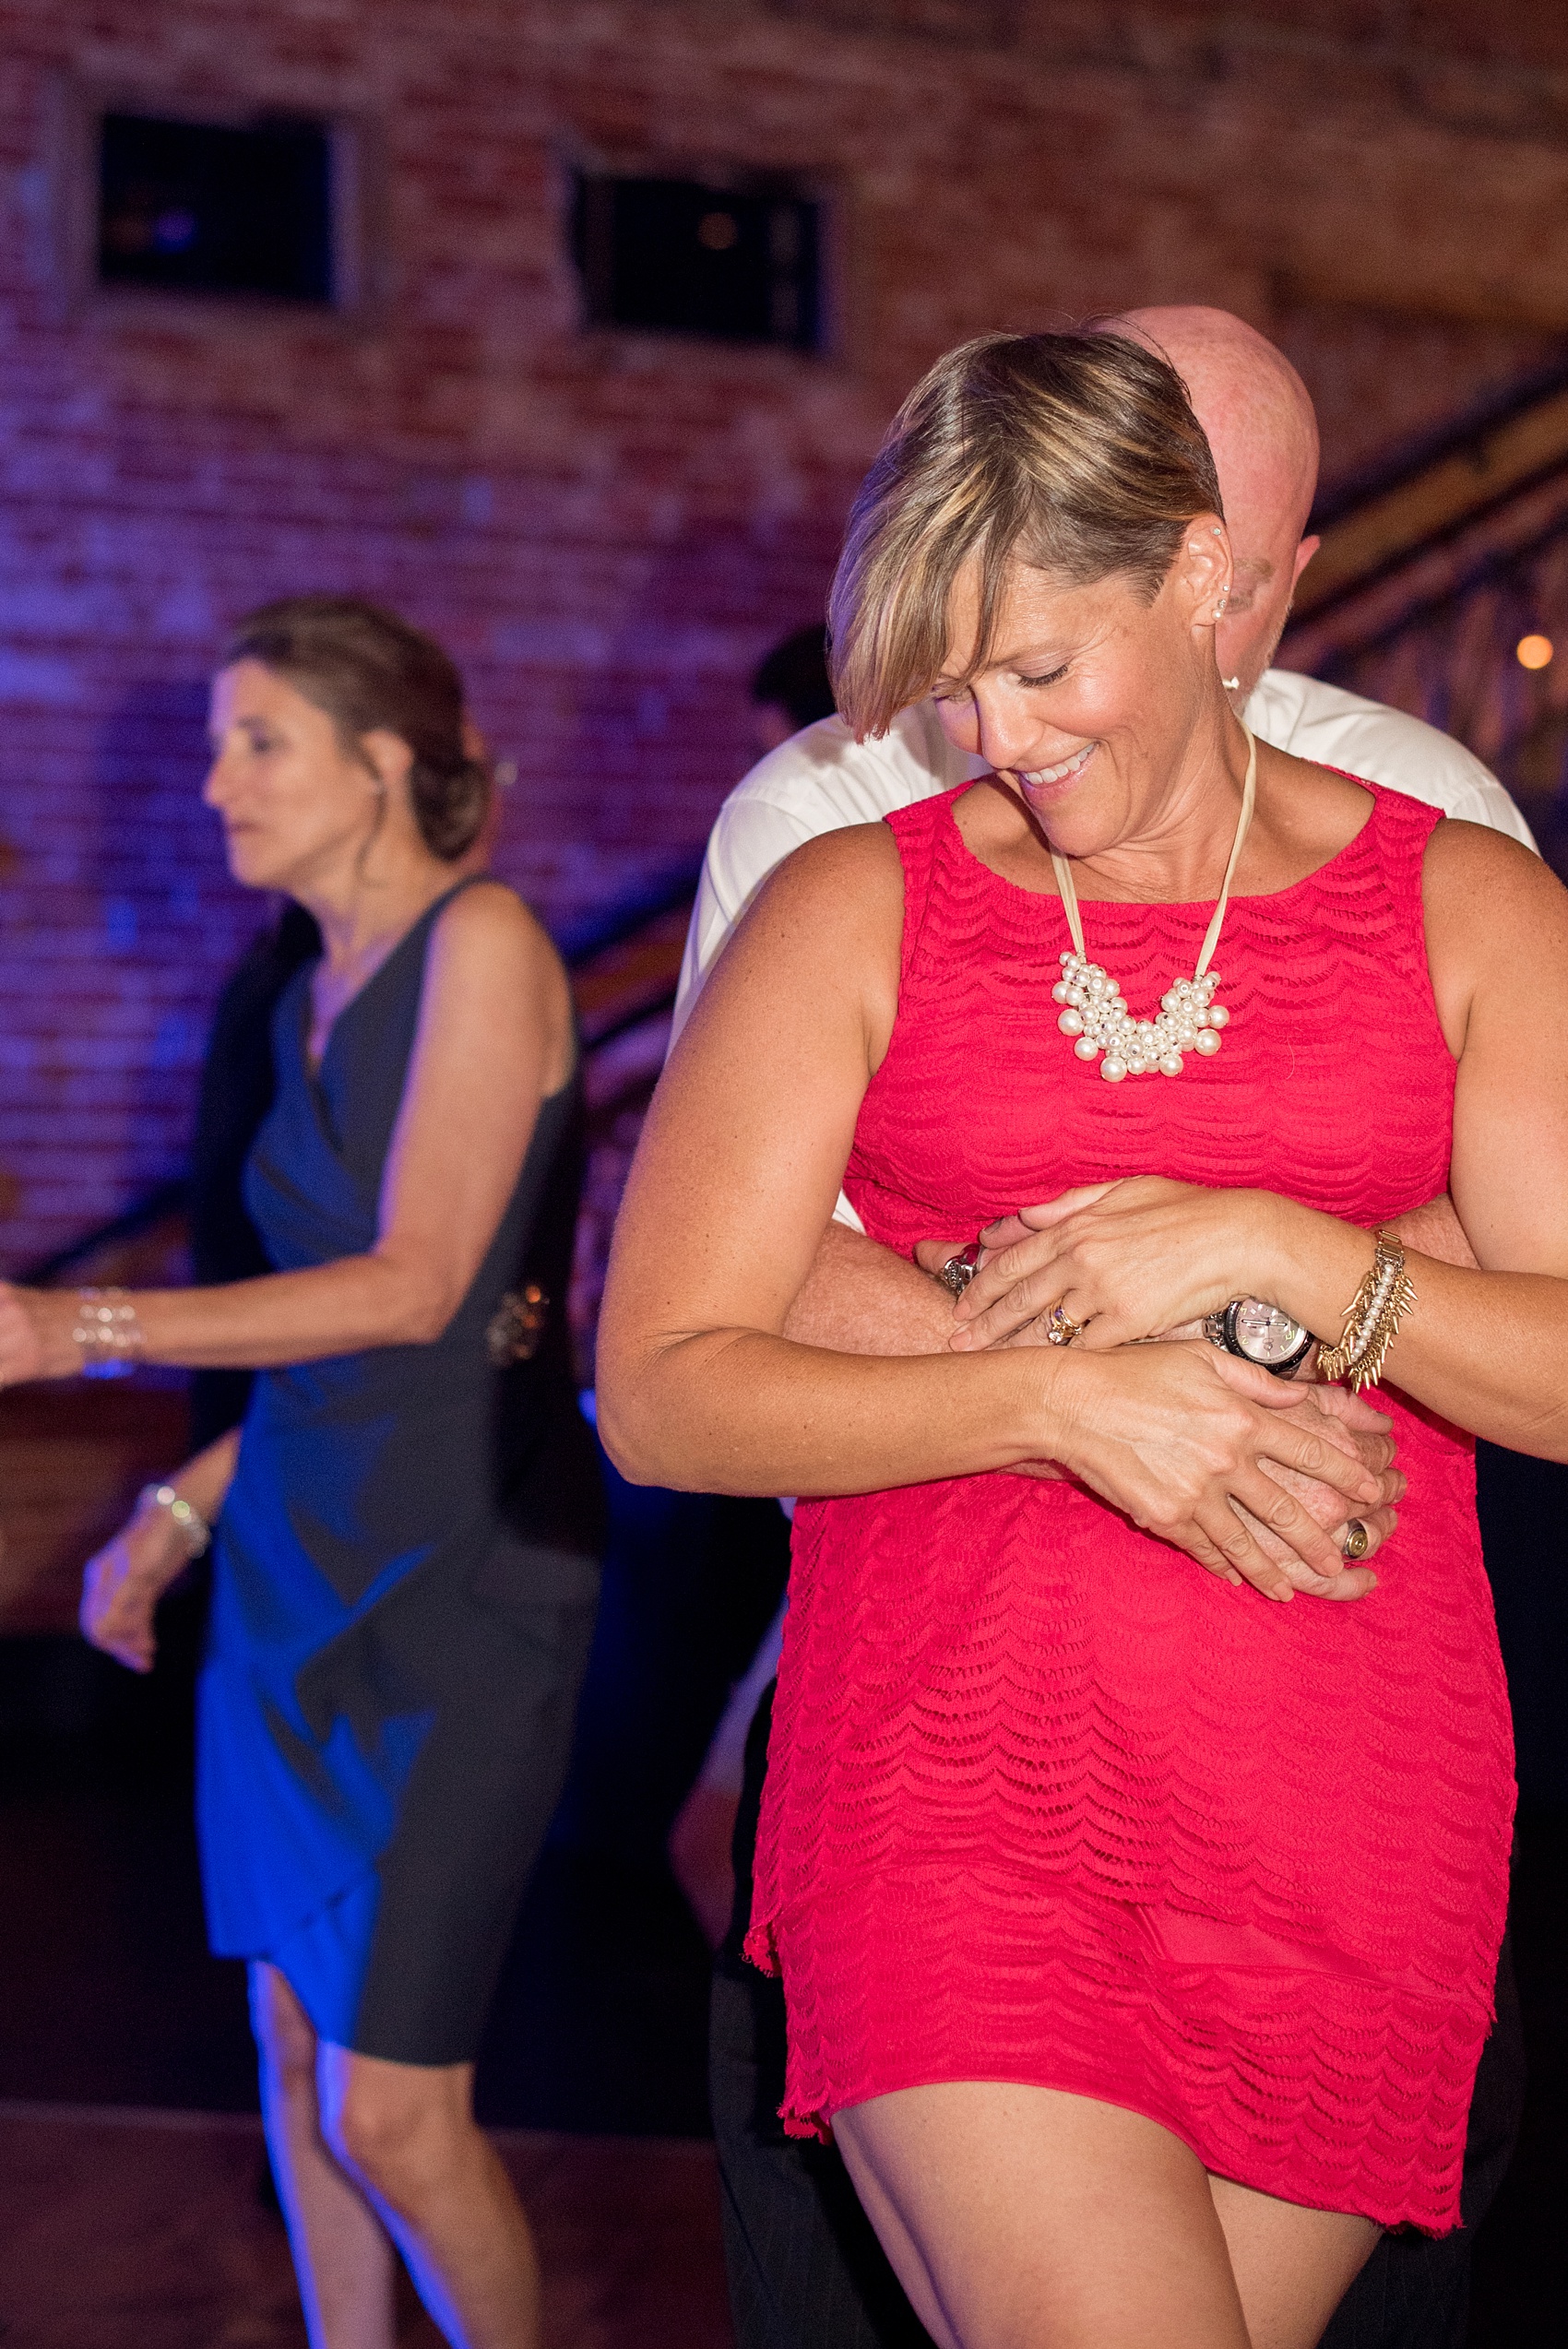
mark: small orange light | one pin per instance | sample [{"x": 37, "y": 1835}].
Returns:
[{"x": 1533, "y": 652}]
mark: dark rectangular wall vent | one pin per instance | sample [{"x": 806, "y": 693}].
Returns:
[
  {"x": 681, "y": 256},
  {"x": 216, "y": 208}
]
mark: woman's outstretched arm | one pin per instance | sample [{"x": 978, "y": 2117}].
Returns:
[
  {"x": 733, "y": 1184},
  {"x": 494, "y": 1038}
]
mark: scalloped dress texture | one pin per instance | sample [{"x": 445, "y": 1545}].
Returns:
[{"x": 1045, "y": 1801}]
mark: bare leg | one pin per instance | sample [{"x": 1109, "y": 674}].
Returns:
[
  {"x": 1292, "y": 2266},
  {"x": 1024, "y": 2218},
  {"x": 342, "y": 2256},
  {"x": 407, "y": 2132}
]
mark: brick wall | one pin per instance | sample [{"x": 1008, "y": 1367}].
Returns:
[{"x": 608, "y": 529}]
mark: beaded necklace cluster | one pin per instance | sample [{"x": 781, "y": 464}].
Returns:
[{"x": 1189, "y": 1020}]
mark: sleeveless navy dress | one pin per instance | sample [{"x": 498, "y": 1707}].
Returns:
[{"x": 405, "y": 1581}]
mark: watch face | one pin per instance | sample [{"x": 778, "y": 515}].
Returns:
[{"x": 1263, "y": 1333}]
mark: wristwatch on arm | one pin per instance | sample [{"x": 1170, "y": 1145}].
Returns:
[{"x": 1260, "y": 1334}]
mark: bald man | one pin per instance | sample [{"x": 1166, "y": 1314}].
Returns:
[{"x": 805, "y": 2270}]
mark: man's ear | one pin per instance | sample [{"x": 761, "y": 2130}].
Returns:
[{"x": 1304, "y": 554}]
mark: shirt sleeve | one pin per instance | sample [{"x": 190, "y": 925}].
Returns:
[{"x": 750, "y": 837}]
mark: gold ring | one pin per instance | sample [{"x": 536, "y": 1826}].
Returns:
[
  {"x": 1061, "y": 1329},
  {"x": 1358, "y": 1541}
]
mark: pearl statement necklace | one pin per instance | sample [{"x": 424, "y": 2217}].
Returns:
[{"x": 1189, "y": 1019}]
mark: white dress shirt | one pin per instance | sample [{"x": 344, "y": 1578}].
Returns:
[{"x": 823, "y": 780}]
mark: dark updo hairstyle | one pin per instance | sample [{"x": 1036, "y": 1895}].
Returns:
[
  {"x": 1078, "y": 454},
  {"x": 368, "y": 670}
]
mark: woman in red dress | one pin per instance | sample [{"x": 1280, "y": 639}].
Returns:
[{"x": 1138, "y": 1933}]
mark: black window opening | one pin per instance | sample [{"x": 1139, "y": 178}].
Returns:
[
  {"x": 681, "y": 257},
  {"x": 209, "y": 207}
]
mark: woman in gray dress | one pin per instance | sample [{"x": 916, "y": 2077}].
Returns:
[{"x": 406, "y": 1529}]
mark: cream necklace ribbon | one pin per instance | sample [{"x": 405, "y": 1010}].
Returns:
[{"x": 1189, "y": 1019}]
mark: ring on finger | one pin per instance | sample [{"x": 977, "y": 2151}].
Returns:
[
  {"x": 958, "y": 1271},
  {"x": 1061, "y": 1329},
  {"x": 1357, "y": 1542}
]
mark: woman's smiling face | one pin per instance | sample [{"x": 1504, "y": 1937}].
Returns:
[{"x": 1091, "y": 694}]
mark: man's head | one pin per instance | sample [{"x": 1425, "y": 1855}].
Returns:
[
  {"x": 1259, "y": 419},
  {"x": 791, "y": 687}
]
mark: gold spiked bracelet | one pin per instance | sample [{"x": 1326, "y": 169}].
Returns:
[{"x": 1372, "y": 1318}]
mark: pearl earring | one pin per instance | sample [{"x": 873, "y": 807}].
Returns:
[{"x": 1232, "y": 684}]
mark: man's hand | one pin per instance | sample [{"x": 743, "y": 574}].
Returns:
[{"x": 860, "y": 1298}]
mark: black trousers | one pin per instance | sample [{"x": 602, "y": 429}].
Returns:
[{"x": 806, "y": 2271}]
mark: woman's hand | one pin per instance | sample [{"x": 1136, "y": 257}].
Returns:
[
  {"x": 1181, "y": 1437},
  {"x": 1128, "y": 1260},
  {"x": 124, "y": 1581},
  {"x": 35, "y": 1334}
]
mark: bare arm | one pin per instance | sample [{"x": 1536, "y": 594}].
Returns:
[
  {"x": 494, "y": 1034},
  {"x": 862, "y": 1298},
  {"x": 734, "y": 1181}
]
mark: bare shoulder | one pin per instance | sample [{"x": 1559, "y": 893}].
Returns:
[
  {"x": 821, "y": 939},
  {"x": 1496, "y": 919},
  {"x": 495, "y": 978},
  {"x": 488, "y": 926},
  {"x": 845, "y": 878},
  {"x": 1477, "y": 882}
]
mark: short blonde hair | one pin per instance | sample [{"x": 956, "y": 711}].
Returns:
[{"x": 1078, "y": 454}]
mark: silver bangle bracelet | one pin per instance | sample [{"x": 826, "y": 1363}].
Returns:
[
  {"x": 197, "y": 1533},
  {"x": 107, "y": 1334}
]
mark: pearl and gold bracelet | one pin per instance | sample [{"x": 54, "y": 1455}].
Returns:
[
  {"x": 1372, "y": 1318},
  {"x": 192, "y": 1524}
]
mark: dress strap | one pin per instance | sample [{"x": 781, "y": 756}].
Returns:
[{"x": 920, "y": 831}]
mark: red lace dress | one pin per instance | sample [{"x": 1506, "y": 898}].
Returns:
[{"x": 1045, "y": 1801}]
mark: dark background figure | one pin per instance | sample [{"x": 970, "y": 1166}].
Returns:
[{"x": 791, "y": 687}]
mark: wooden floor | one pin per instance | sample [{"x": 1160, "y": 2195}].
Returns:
[{"x": 150, "y": 2230}]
